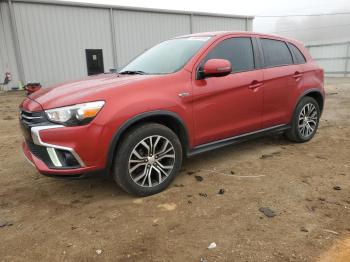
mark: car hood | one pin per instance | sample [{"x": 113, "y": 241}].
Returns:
[{"x": 88, "y": 89}]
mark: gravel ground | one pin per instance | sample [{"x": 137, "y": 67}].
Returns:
[{"x": 278, "y": 202}]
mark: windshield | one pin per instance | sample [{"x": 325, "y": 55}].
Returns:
[{"x": 166, "y": 57}]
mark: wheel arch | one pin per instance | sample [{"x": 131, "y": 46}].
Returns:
[
  {"x": 166, "y": 118},
  {"x": 316, "y": 94}
]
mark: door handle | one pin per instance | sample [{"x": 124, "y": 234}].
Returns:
[
  {"x": 255, "y": 84},
  {"x": 297, "y": 75}
]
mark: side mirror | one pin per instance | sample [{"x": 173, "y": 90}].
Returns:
[{"x": 217, "y": 67}]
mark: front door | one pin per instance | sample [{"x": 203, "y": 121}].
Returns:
[
  {"x": 94, "y": 61},
  {"x": 229, "y": 105}
]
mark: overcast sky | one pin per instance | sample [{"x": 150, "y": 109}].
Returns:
[{"x": 290, "y": 27}]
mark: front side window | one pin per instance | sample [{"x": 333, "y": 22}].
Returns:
[
  {"x": 276, "y": 53},
  {"x": 166, "y": 57},
  {"x": 239, "y": 51}
]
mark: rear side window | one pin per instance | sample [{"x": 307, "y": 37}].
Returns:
[
  {"x": 276, "y": 53},
  {"x": 239, "y": 51},
  {"x": 298, "y": 56}
]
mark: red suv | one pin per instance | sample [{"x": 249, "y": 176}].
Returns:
[{"x": 182, "y": 97}]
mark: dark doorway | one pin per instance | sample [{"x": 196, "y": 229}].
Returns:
[{"x": 94, "y": 61}]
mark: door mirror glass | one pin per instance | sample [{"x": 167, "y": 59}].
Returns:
[{"x": 217, "y": 67}]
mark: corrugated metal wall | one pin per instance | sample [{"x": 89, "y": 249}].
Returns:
[
  {"x": 211, "y": 23},
  {"x": 137, "y": 31},
  {"x": 133, "y": 34},
  {"x": 53, "y": 36},
  {"x": 53, "y": 40},
  {"x": 7, "y": 52},
  {"x": 334, "y": 58}
]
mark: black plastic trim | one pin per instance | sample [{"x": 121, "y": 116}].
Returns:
[
  {"x": 235, "y": 140},
  {"x": 312, "y": 90},
  {"x": 100, "y": 173},
  {"x": 258, "y": 58}
]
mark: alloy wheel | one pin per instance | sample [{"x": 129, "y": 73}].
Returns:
[
  {"x": 307, "y": 121},
  {"x": 151, "y": 161}
]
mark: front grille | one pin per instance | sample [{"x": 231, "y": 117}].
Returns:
[{"x": 33, "y": 118}]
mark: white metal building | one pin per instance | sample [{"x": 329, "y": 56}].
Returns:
[
  {"x": 332, "y": 56},
  {"x": 53, "y": 41}
]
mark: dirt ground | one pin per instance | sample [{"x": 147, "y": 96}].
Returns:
[{"x": 92, "y": 219}]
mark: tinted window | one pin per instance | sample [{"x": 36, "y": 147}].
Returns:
[
  {"x": 276, "y": 53},
  {"x": 298, "y": 56},
  {"x": 239, "y": 51}
]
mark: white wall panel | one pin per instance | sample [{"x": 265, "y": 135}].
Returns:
[
  {"x": 332, "y": 65},
  {"x": 328, "y": 51},
  {"x": 53, "y": 40},
  {"x": 213, "y": 23},
  {"x": 7, "y": 52},
  {"x": 53, "y": 36},
  {"x": 137, "y": 31},
  {"x": 249, "y": 24},
  {"x": 332, "y": 57}
]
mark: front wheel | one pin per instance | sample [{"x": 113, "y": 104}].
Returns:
[
  {"x": 147, "y": 160},
  {"x": 305, "y": 120}
]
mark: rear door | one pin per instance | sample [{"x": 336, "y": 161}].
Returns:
[
  {"x": 281, "y": 79},
  {"x": 229, "y": 105}
]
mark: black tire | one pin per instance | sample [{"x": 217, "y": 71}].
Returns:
[
  {"x": 125, "y": 151},
  {"x": 294, "y": 133}
]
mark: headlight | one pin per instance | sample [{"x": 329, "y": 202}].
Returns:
[{"x": 75, "y": 115}]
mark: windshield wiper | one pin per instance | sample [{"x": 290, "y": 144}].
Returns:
[{"x": 130, "y": 72}]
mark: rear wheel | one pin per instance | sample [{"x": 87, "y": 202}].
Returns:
[
  {"x": 148, "y": 159},
  {"x": 305, "y": 120}
]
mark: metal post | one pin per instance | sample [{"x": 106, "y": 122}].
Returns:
[
  {"x": 347, "y": 60},
  {"x": 114, "y": 45},
  {"x": 191, "y": 23},
  {"x": 14, "y": 32},
  {"x": 246, "y": 24}
]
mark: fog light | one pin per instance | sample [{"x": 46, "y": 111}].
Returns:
[
  {"x": 69, "y": 159},
  {"x": 53, "y": 156}
]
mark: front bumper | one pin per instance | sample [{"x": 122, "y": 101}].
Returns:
[
  {"x": 54, "y": 158},
  {"x": 52, "y": 149}
]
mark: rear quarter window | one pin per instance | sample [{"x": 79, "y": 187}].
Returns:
[
  {"x": 299, "y": 58},
  {"x": 276, "y": 53}
]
